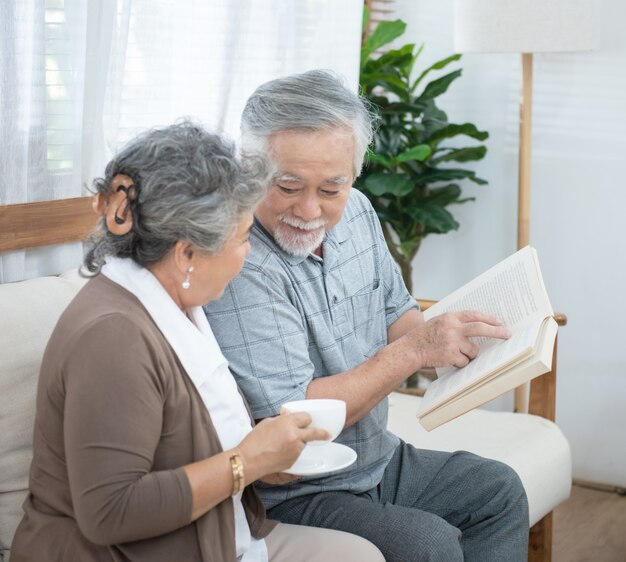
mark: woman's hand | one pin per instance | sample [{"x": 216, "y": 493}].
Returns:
[
  {"x": 275, "y": 444},
  {"x": 272, "y": 446}
]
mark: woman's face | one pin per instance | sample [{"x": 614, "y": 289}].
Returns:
[{"x": 211, "y": 273}]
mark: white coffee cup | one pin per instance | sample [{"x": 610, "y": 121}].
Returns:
[{"x": 325, "y": 414}]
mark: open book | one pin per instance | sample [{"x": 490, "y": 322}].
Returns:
[{"x": 514, "y": 292}]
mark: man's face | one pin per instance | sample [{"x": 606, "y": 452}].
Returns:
[{"x": 311, "y": 189}]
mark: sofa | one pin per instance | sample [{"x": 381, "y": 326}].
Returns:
[{"x": 532, "y": 445}]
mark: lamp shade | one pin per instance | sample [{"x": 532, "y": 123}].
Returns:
[{"x": 526, "y": 26}]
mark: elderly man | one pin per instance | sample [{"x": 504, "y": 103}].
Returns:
[{"x": 320, "y": 311}]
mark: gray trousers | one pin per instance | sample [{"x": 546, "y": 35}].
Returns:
[{"x": 429, "y": 506}]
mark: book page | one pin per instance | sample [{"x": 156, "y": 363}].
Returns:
[{"x": 512, "y": 291}]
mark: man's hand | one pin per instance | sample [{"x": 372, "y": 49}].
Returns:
[{"x": 445, "y": 341}]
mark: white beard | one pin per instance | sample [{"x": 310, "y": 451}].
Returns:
[{"x": 298, "y": 243}]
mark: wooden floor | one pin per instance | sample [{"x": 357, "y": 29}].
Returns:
[{"x": 590, "y": 526}]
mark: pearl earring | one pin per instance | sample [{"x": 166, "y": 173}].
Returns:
[{"x": 187, "y": 282}]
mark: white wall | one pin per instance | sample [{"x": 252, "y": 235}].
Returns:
[{"x": 577, "y": 219}]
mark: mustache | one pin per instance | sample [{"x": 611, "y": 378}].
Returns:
[{"x": 299, "y": 223}]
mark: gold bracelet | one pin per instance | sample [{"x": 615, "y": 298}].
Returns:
[{"x": 238, "y": 479}]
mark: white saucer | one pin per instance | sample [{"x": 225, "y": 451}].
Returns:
[{"x": 319, "y": 459}]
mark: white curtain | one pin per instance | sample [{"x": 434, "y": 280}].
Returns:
[{"x": 78, "y": 79}]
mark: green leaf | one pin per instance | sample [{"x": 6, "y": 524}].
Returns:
[
  {"x": 444, "y": 195},
  {"x": 385, "y": 32},
  {"x": 389, "y": 139},
  {"x": 477, "y": 180},
  {"x": 375, "y": 157},
  {"x": 416, "y": 55},
  {"x": 462, "y": 155},
  {"x": 461, "y": 201},
  {"x": 434, "y": 218},
  {"x": 390, "y": 82},
  {"x": 404, "y": 59},
  {"x": 402, "y": 108},
  {"x": 437, "y": 66},
  {"x": 397, "y": 58},
  {"x": 393, "y": 184},
  {"x": 431, "y": 111},
  {"x": 452, "y": 130},
  {"x": 447, "y": 174},
  {"x": 419, "y": 153},
  {"x": 412, "y": 133},
  {"x": 439, "y": 86},
  {"x": 380, "y": 101},
  {"x": 430, "y": 127}
]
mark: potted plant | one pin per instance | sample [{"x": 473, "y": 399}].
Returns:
[{"x": 408, "y": 175}]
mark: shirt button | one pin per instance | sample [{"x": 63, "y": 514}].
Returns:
[{"x": 335, "y": 298}]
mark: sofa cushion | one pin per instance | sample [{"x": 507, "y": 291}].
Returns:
[
  {"x": 28, "y": 312},
  {"x": 533, "y": 446}
]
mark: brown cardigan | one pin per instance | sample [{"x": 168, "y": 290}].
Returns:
[{"x": 116, "y": 418}]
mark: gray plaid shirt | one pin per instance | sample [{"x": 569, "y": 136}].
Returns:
[{"x": 287, "y": 320}]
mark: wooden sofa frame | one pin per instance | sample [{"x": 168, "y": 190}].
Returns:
[{"x": 30, "y": 225}]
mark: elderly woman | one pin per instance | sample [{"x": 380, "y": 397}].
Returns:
[{"x": 143, "y": 446}]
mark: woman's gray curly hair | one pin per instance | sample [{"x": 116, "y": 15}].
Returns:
[{"x": 190, "y": 187}]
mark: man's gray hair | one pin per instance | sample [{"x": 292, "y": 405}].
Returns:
[
  {"x": 190, "y": 187},
  {"x": 311, "y": 101}
]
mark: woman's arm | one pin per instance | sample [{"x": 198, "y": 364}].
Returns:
[
  {"x": 272, "y": 446},
  {"x": 113, "y": 420}
]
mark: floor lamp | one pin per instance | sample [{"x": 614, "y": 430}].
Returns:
[{"x": 525, "y": 27}]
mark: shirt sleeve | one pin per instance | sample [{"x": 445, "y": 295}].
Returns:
[
  {"x": 262, "y": 334},
  {"x": 112, "y": 426}
]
